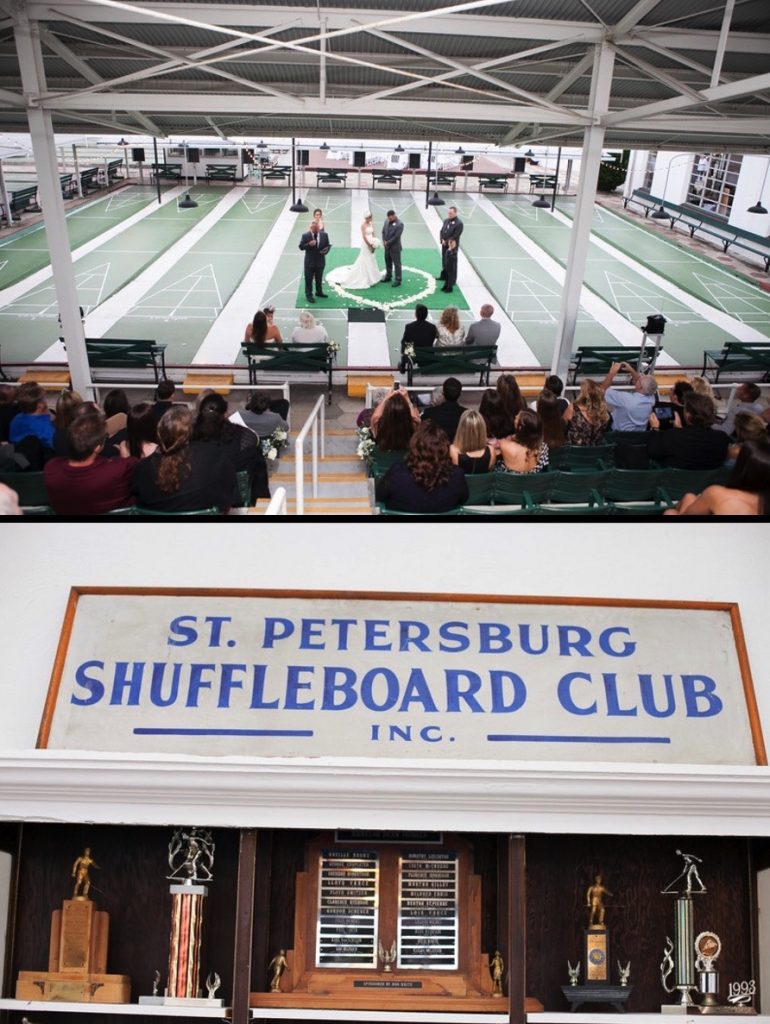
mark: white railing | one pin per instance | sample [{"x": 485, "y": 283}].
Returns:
[
  {"x": 277, "y": 505},
  {"x": 310, "y": 427}
]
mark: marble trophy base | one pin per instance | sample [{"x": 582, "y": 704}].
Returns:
[
  {"x": 179, "y": 1001},
  {"x": 694, "y": 1008}
]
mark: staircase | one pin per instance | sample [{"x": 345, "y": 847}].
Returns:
[{"x": 344, "y": 489}]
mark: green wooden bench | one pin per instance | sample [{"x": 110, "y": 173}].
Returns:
[
  {"x": 127, "y": 354},
  {"x": 645, "y": 200},
  {"x": 221, "y": 172},
  {"x": 593, "y": 360},
  {"x": 751, "y": 242},
  {"x": 451, "y": 360},
  {"x": 291, "y": 357},
  {"x": 68, "y": 186},
  {"x": 278, "y": 173},
  {"x": 446, "y": 178},
  {"x": 386, "y": 178},
  {"x": 23, "y": 200},
  {"x": 331, "y": 177},
  {"x": 172, "y": 171},
  {"x": 114, "y": 172},
  {"x": 493, "y": 181},
  {"x": 738, "y": 357}
]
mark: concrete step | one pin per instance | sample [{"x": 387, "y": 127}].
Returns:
[{"x": 321, "y": 507}]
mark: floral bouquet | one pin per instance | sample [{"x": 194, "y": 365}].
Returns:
[
  {"x": 375, "y": 242},
  {"x": 332, "y": 347},
  {"x": 366, "y": 445},
  {"x": 271, "y": 446}
]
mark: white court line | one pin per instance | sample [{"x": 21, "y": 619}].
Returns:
[
  {"x": 123, "y": 301},
  {"x": 601, "y": 311},
  {"x": 223, "y": 342},
  {"x": 727, "y": 323},
  {"x": 512, "y": 349},
  {"x": 14, "y": 291}
]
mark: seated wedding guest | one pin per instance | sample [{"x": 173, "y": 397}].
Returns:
[
  {"x": 693, "y": 444},
  {"x": 9, "y": 501},
  {"x": 513, "y": 400},
  {"x": 116, "y": 408},
  {"x": 746, "y": 493},
  {"x": 394, "y": 421},
  {"x": 263, "y": 415},
  {"x": 239, "y": 444},
  {"x": 426, "y": 481},
  {"x": 364, "y": 418},
  {"x": 447, "y": 413},
  {"x": 420, "y": 332},
  {"x": 85, "y": 483},
  {"x": 262, "y": 330},
  {"x": 8, "y": 409},
  {"x": 555, "y": 385},
  {"x": 448, "y": 329},
  {"x": 164, "y": 397},
  {"x": 184, "y": 475},
  {"x": 526, "y": 451},
  {"x": 492, "y": 410},
  {"x": 484, "y": 331},
  {"x": 33, "y": 418},
  {"x": 588, "y": 416},
  {"x": 66, "y": 409},
  {"x": 470, "y": 449},
  {"x": 554, "y": 427},
  {"x": 678, "y": 391},
  {"x": 630, "y": 409},
  {"x": 703, "y": 387},
  {"x": 273, "y": 331},
  {"x": 747, "y": 427},
  {"x": 746, "y": 401},
  {"x": 309, "y": 329},
  {"x": 142, "y": 430}
]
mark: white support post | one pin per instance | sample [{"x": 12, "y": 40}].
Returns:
[
  {"x": 5, "y": 199},
  {"x": 593, "y": 142},
  {"x": 75, "y": 161},
  {"x": 51, "y": 200}
]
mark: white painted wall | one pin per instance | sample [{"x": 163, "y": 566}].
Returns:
[{"x": 676, "y": 560}]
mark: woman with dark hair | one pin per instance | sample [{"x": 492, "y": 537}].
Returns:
[
  {"x": 426, "y": 481},
  {"x": 184, "y": 475},
  {"x": 394, "y": 421},
  {"x": 142, "y": 430},
  {"x": 513, "y": 400},
  {"x": 240, "y": 445},
  {"x": 116, "y": 408},
  {"x": 494, "y": 415},
  {"x": 746, "y": 493},
  {"x": 66, "y": 409},
  {"x": 526, "y": 451},
  {"x": 554, "y": 428},
  {"x": 256, "y": 331}
]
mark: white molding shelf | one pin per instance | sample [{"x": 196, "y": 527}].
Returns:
[
  {"x": 124, "y": 1009},
  {"x": 525, "y": 796},
  {"x": 386, "y": 1016},
  {"x": 644, "y": 1018}
]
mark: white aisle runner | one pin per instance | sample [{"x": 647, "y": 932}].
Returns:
[{"x": 367, "y": 342}]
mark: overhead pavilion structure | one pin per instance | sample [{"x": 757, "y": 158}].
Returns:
[{"x": 606, "y": 74}]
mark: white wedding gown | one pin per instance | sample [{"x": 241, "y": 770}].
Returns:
[{"x": 363, "y": 273}]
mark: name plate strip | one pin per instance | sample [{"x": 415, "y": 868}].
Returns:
[
  {"x": 427, "y": 911},
  {"x": 346, "y": 930}
]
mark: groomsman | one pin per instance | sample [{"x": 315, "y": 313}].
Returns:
[
  {"x": 451, "y": 228},
  {"x": 392, "y": 230},
  {"x": 315, "y": 244}
]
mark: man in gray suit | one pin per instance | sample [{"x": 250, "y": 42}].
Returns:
[
  {"x": 485, "y": 331},
  {"x": 392, "y": 230}
]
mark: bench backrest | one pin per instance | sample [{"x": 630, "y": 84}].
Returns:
[
  {"x": 296, "y": 355},
  {"x": 124, "y": 352}
]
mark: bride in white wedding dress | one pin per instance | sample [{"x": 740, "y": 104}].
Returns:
[{"x": 364, "y": 272}]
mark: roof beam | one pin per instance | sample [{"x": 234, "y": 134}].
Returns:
[
  {"x": 572, "y": 76},
  {"x": 727, "y": 91},
  {"x": 632, "y": 18},
  {"x": 723, "y": 34}
]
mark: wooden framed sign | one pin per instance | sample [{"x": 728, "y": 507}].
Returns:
[{"x": 330, "y": 674}]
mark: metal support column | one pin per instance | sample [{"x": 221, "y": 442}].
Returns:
[
  {"x": 50, "y": 195},
  {"x": 593, "y": 142}
]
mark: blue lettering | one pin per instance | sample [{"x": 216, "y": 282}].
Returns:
[
  {"x": 338, "y": 680},
  {"x": 343, "y": 626},
  {"x": 518, "y": 696},
  {"x": 376, "y": 629},
  {"x": 700, "y": 688},
  {"x": 526, "y": 642},
  {"x": 455, "y": 694},
  {"x": 494, "y": 638},
  {"x": 453, "y": 637},
  {"x": 626, "y": 649},
  {"x": 277, "y": 629},
  {"x": 258, "y": 689},
  {"x": 188, "y": 634},
  {"x": 430, "y": 734},
  {"x": 611, "y": 693},
  {"x": 413, "y": 634},
  {"x": 565, "y": 694},
  {"x": 579, "y": 643},
  {"x": 312, "y": 630},
  {"x": 417, "y": 691},
  {"x": 217, "y": 621},
  {"x": 122, "y": 681},
  {"x": 396, "y": 732},
  {"x": 197, "y": 682},
  {"x": 228, "y": 682},
  {"x": 92, "y": 686},
  {"x": 294, "y": 684},
  {"x": 391, "y": 689},
  {"x": 156, "y": 685},
  {"x": 647, "y": 689}
]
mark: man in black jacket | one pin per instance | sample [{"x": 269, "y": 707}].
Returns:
[
  {"x": 693, "y": 444},
  {"x": 315, "y": 244},
  {"x": 447, "y": 413},
  {"x": 451, "y": 228}
]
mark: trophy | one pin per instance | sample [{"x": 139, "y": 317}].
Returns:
[
  {"x": 678, "y": 958},
  {"x": 708, "y": 946}
]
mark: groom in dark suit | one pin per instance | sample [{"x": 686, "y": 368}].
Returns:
[
  {"x": 315, "y": 244},
  {"x": 392, "y": 230},
  {"x": 451, "y": 228}
]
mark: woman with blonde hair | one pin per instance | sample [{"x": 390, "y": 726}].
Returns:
[
  {"x": 588, "y": 416},
  {"x": 448, "y": 329},
  {"x": 470, "y": 449},
  {"x": 309, "y": 329},
  {"x": 364, "y": 272}
]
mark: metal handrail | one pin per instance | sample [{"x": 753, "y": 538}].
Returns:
[
  {"x": 311, "y": 424},
  {"x": 277, "y": 504}
]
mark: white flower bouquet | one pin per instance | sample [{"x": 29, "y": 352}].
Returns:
[
  {"x": 366, "y": 445},
  {"x": 271, "y": 446}
]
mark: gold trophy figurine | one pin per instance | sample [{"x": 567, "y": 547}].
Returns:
[
  {"x": 595, "y": 902},
  {"x": 277, "y": 965},
  {"x": 80, "y": 873},
  {"x": 497, "y": 975}
]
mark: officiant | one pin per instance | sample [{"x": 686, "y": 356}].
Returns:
[{"x": 315, "y": 244}]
